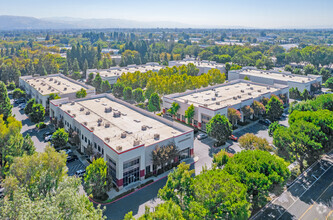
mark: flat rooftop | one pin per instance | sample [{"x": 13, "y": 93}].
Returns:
[
  {"x": 208, "y": 64},
  {"x": 109, "y": 127},
  {"x": 54, "y": 84},
  {"x": 117, "y": 71},
  {"x": 283, "y": 76},
  {"x": 225, "y": 94}
]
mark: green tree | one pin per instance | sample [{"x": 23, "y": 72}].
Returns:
[
  {"x": 288, "y": 68},
  {"x": 310, "y": 69},
  {"x": 138, "y": 95},
  {"x": 90, "y": 78},
  {"x": 174, "y": 109},
  {"x": 219, "y": 128},
  {"x": 329, "y": 83},
  {"x": 11, "y": 86},
  {"x": 221, "y": 158},
  {"x": 85, "y": 68},
  {"x": 258, "y": 108},
  {"x": 274, "y": 108},
  {"x": 18, "y": 93},
  {"x": 325, "y": 74},
  {"x": 272, "y": 127},
  {"x": 97, "y": 82},
  {"x": 105, "y": 86},
  {"x": 118, "y": 89},
  {"x": 234, "y": 116},
  {"x": 5, "y": 106},
  {"x": 259, "y": 171},
  {"x": 97, "y": 181},
  {"x": 37, "y": 114},
  {"x": 247, "y": 111},
  {"x": 75, "y": 66},
  {"x": 218, "y": 195},
  {"x": 154, "y": 103},
  {"x": 246, "y": 78},
  {"x": 189, "y": 113},
  {"x": 76, "y": 75},
  {"x": 59, "y": 138},
  {"x": 81, "y": 93},
  {"x": 127, "y": 93},
  {"x": 28, "y": 107}
]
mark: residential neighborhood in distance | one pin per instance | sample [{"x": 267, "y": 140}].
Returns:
[{"x": 166, "y": 111}]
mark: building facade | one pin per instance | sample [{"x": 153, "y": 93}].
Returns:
[
  {"x": 41, "y": 87},
  {"x": 214, "y": 100},
  {"x": 203, "y": 66},
  {"x": 123, "y": 134},
  {"x": 272, "y": 77}
]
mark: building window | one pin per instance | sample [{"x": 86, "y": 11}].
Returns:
[
  {"x": 131, "y": 176},
  {"x": 95, "y": 145},
  {"x": 183, "y": 118},
  {"x": 195, "y": 122},
  {"x": 89, "y": 142},
  {"x": 102, "y": 151},
  {"x": 112, "y": 168},
  {"x": 85, "y": 139},
  {"x": 147, "y": 169},
  {"x": 82, "y": 137},
  {"x": 99, "y": 148},
  {"x": 178, "y": 115}
]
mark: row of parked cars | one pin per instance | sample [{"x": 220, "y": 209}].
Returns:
[{"x": 203, "y": 136}]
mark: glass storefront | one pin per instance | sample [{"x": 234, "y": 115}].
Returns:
[{"x": 131, "y": 171}]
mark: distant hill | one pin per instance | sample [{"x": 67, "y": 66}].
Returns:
[{"x": 28, "y": 23}]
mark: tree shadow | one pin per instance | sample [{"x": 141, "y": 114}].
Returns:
[{"x": 273, "y": 211}]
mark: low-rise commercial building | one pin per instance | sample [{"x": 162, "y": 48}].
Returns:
[
  {"x": 112, "y": 74},
  {"x": 275, "y": 77},
  {"x": 203, "y": 66},
  {"x": 217, "y": 99},
  {"x": 123, "y": 134},
  {"x": 41, "y": 87}
]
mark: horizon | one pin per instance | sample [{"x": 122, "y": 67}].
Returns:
[{"x": 257, "y": 14}]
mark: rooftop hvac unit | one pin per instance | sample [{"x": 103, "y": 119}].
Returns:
[
  {"x": 99, "y": 120},
  {"x": 73, "y": 103},
  {"x": 251, "y": 88},
  {"x": 186, "y": 101},
  {"x": 99, "y": 124},
  {"x": 59, "y": 83},
  {"x": 85, "y": 123},
  {"x": 218, "y": 103},
  {"x": 249, "y": 93},
  {"x": 107, "y": 139},
  {"x": 107, "y": 125},
  {"x": 88, "y": 113},
  {"x": 259, "y": 90},
  {"x": 92, "y": 128},
  {"x": 248, "y": 84},
  {"x": 116, "y": 114},
  {"x": 69, "y": 111},
  {"x": 242, "y": 90},
  {"x": 60, "y": 105},
  {"x": 74, "y": 115},
  {"x": 156, "y": 136},
  {"x": 268, "y": 87},
  {"x": 123, "y": 134},
  {"x": 81, "y": 109},
  {"x": 235, "y": 97},
  {"x": 108, "y": 109},
  {"x": 216, "y": 94},
  {"x": 136, "y": 142},
  {"x": 119, "y": 148},
  {"x": 213, "y": 98},
  {"x": 143, "y": 127},
  {"x": 51, "y": 79},
  {"x": 65, "y": 89}
]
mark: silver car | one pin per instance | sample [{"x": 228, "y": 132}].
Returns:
[{"x": 202, "y": 136}]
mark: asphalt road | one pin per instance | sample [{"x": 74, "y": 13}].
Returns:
[{"x": 310, "y": 197}]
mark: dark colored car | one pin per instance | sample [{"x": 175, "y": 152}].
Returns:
[
  {"x": 265, "y": 122},
  {"x": 71, "y": 158},
  {"x": 47, "y": 133}
]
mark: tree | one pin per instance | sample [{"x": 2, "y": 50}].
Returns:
[
  {"x": 105, "y": 87},
  {"x": 251, "y": 142},
  {"x": 234, "y": 116},
  {"x": 288, "y": 68},
  {"x": 294, "y": 93},
  {"x": 37, "y": 114},
  {"x": 272, "y": 127},
  {"x": 274, "y": 108},
  {"x": 189, "y": 113},
  {"x": 97, "y": 82},
  {"x": 11, "y": 86},
  {"x": 221, "y": 158},
  {"x": 85, "y": 68},
  {"x": 65, "y": 69},
  {"x": 18, "y": 93},
  {"x": 28, "y": 107},
  {"x": 219, "y": 128},
  {"x": 127, "y": 93},
  {"x": 306, "y": 95},
  {"x": 247, "y": 111},
  {"x": 5, "y": 106},
  {"x": 259, "y": 171},
  {"x": 81, "y": 93},
  {"x": 59, "y": 138},
  {"x": 154, "y": 103},
  {"x": 246, "y": 78},
  {"x": 329, "y": 83},
  {"x": 76, "y": 75},
  {"x": 118, "y": 89},
  {"x": 258, "y": 108},
  {"x": 138, "y": 95},
  {"x": 325, "y": 74},
  {"x": 178, "y": 187},
  {"x": 75, "y": 66},
  {"x": 310, "y": 69},
  {"x": 52, "y": 96},
  {"x": 90, "y": 78},
  {"x": 218, "y": 195},
  {"x": 174, "y": 109},
  {"x": 97, "y": 181}
]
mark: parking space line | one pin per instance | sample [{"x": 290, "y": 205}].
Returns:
[
  {"x": 304, "y": 192},
  {"x": 314, "y": 176}
]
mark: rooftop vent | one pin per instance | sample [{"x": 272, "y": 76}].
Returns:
[
  {"x": 60, "y": 105},
  {"x": 51, "y": 79},
  {"x": 74, "y": 115},
  {"x": 268, "y": 87},
  {"x": 59, "y": 83},
  {"x": 143, "y": 127},
  {"x": 49, "y": 88},
  {"x": 116, "y": 114},
  {"x": 156, "y": 136},
  {"x": 99, "y": 120},
  {"x": 303, "y": 81},
  {"x": 69, "y": 111},
  {"x": 119, "y": 148},
  {"x": 186, "y": 101},
  {"x": 213, "y": 98},
  {"x": 92, "y": 128},
  {"x": 248, "y": 84},
  {"x": 218, "y": 103},
  {"x": 73, "y": 103},
  {"x": 107, "y": 125},
  {"x": 123, "y": 134},
  {"x": 206, "y": 105},
  {"x": 85, "y": 123},
  {"x": 251, "y": 88},
  {"x": 99, "y": 124},
  {"x": 123, "y": 114},
  {"x": 88, "y": 113},
  {"x": 137, "y": 121},
  {"x": 290, "y": 76},
  {"x": 259, "y": 90},
  {"x": 239, "y": 96},
  {"x": 81, "y": 109},
  {"x": 65, "y": 89},
  {"x": 235, "y": 97},
  {"x": 107, "y": 139},
  {"x": 242, "y": 90},
  {"x": 108, "y": 109},
  {"x": 249, "y": 93}
]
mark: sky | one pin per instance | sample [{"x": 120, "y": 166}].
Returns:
[{"x": 210, "y": 13}]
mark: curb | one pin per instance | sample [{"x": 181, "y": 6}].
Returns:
[{"x": 99, "y": 203}]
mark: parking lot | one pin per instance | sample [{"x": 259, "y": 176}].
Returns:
[
  {"x": 75, "y": 166},
  {"x": 310, "y": 196}
]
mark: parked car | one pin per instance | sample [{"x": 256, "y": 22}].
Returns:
[
  {"x": 19, "y": 101},
  {"x": 218, "y": 144},
  {"x": 48, "y": 133},
  {"x": 69, "y": 152},
  {"x": 80, "y": 173},
  {"x": 22, "y": 106},
  {"x": 265, "y": 122},
  {"x": 202, "y": 136},
  {"x": 233, "y": 137},
  {"x": 48, "y": 138},
  {"x": 71, "y": 158}
]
